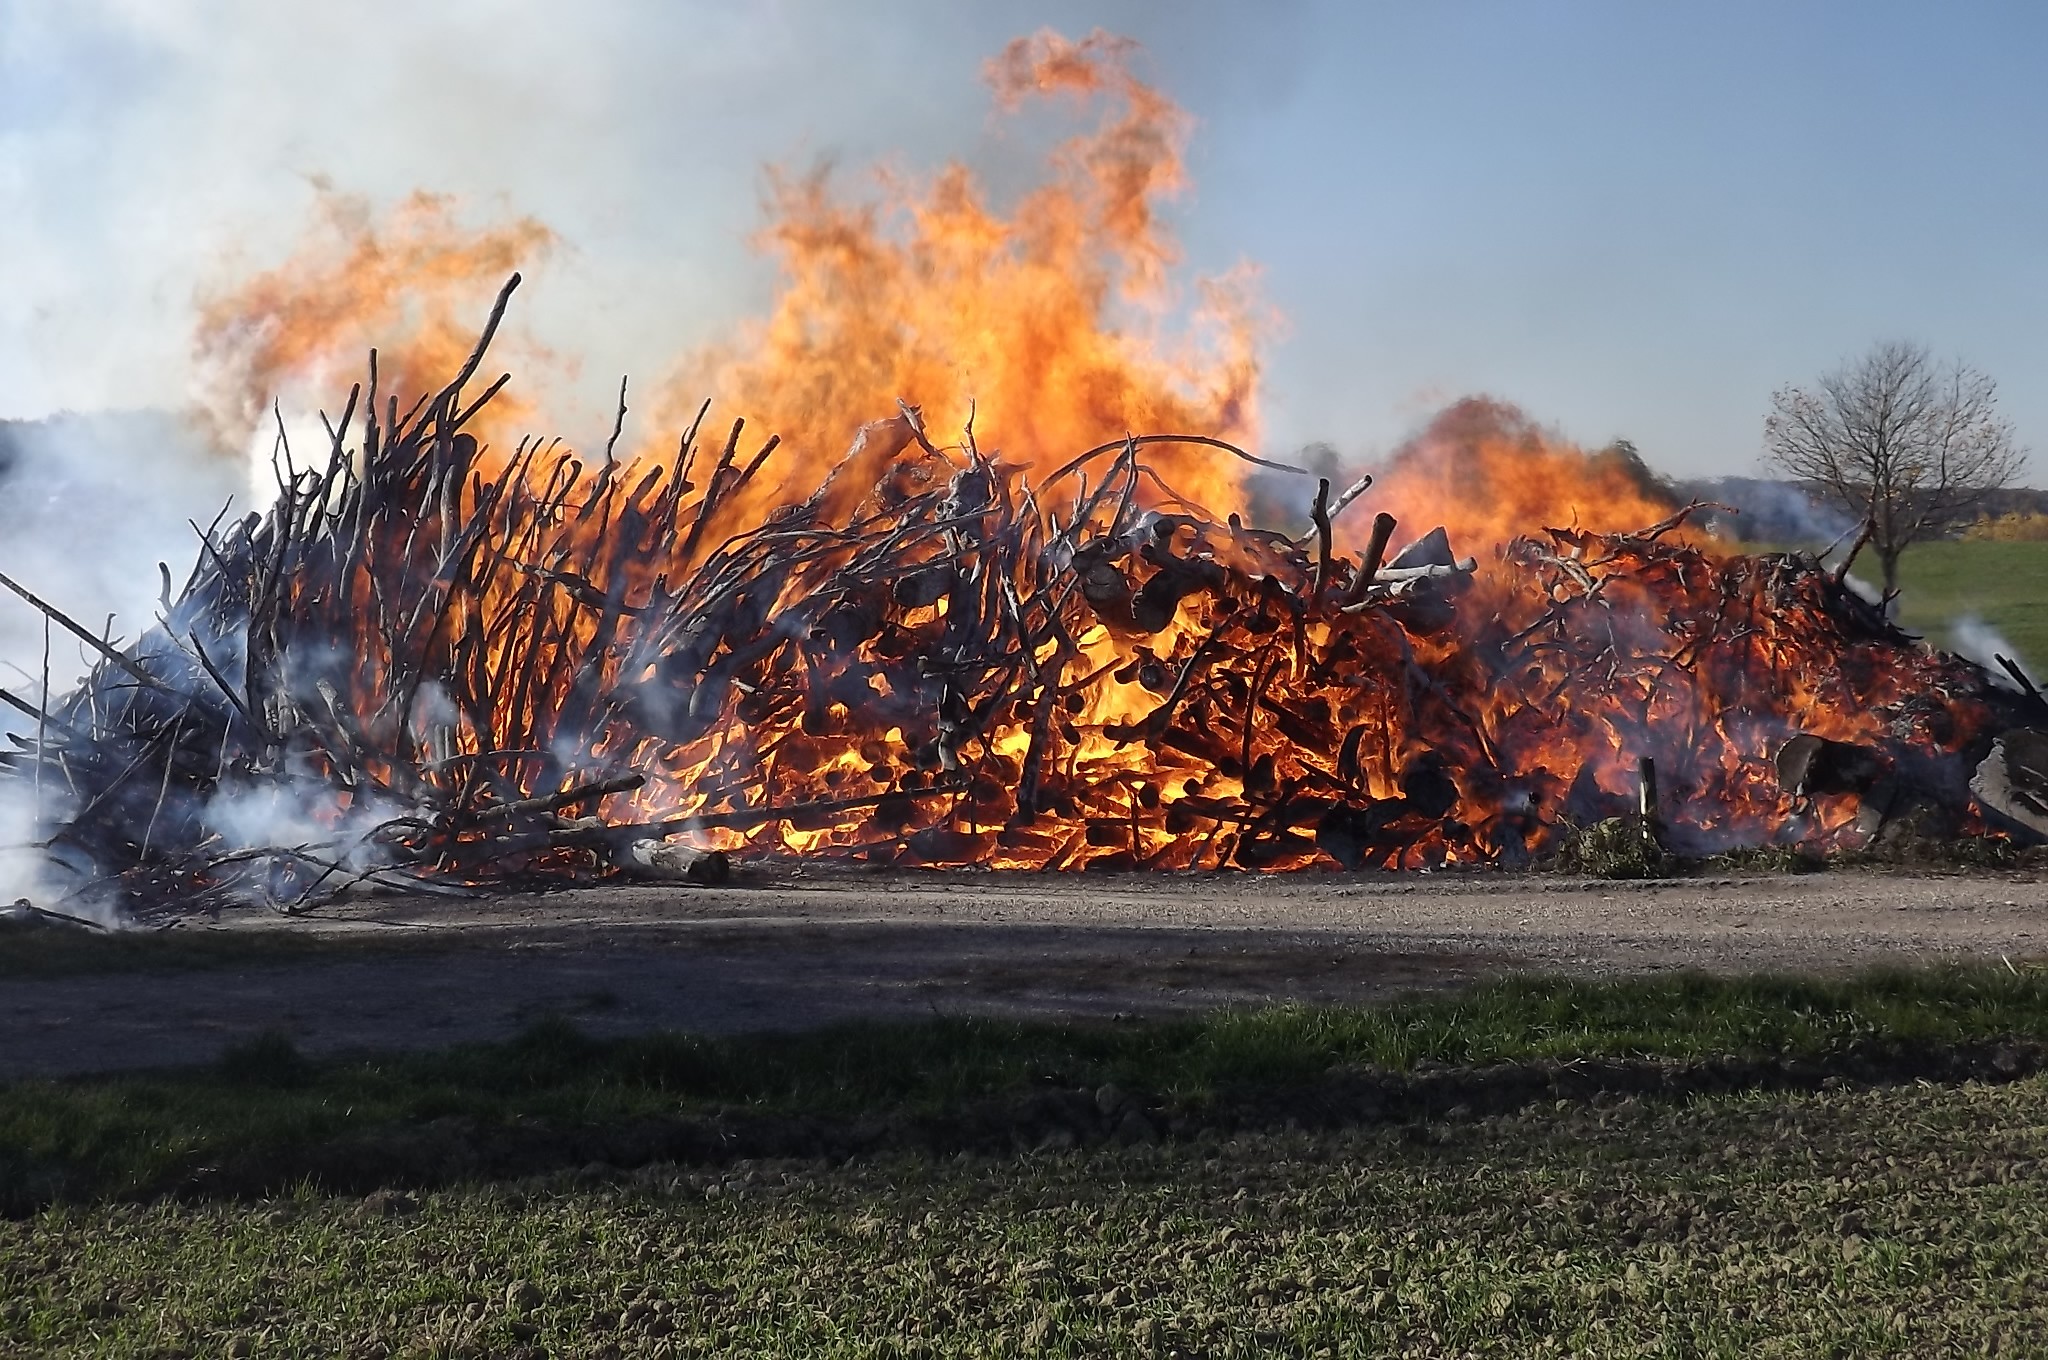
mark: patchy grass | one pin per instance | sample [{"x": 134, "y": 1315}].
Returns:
[
  {"x": 1905, "y": 1220},
  {"x": 1617, "y": 848},
  {"x": 267, "y": 1117},
  {"x": 1916, "y": 854},
  {"x": 1770, "y": 859}
]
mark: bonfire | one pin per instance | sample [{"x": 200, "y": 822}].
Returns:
[
  {"x": 423, "y": 671},
  {"x": 448, "y": 661}
]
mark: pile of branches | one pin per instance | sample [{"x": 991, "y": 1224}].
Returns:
[
  {"x": 430, "y": 669},
  {"x": 289, "y": 730}
]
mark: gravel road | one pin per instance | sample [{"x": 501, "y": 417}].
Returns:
[{"x": 785, "y": 949}]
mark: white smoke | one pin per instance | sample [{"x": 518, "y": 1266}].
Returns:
[
  {"x": 1773, "y": 511},
  {"x": 89, "y": 506},
  {"x": 282, "y": 816},
  {"x": 1970, "y": 636},
  {"x": 1791, "y": 514},
  {"x": 23, "y": 868},
  {"x": 175, "y": 146}
]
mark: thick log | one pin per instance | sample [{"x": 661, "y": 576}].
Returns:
[
  {"x": 675, "y": 863},
  {"x": 1320, "y": 514},
  {"x": 1350, "y": 494},
  {"x": 1376, "y": 548},
  {"x": 1106, "y": 589},
  {"x": 1809, "y": 765},
  {"x": 1464, "y": 566},
  {"x": 2011, "y": 783}
]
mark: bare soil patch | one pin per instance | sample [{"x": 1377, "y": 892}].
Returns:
[{"x": 787, "y": 948}]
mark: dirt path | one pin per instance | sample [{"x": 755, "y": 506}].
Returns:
[{"x": 790, "y": 949}]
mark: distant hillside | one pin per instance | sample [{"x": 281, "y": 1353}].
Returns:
[
  {"x": 2018, "y": 501},
  {"x": 1770, "y": 511},
  {"x": 1801, "y": 512}
]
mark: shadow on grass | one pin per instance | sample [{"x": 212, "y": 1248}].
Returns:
[{"x": 267, "y": 1117}]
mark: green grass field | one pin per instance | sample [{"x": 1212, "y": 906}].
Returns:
[
  {"x": 1900, "y": 1221},
  {"x": 2003, "y": 584},
  {"x": 266, "y": 1119},
  {"x": 1841, "y": 1218}
]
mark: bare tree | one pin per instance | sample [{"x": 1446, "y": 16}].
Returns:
[{"x": 1909, "y": 444}]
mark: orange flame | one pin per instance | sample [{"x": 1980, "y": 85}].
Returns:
[
  {"x": 411, "y": 285},
  {"x": 934, "y": 297},
  {"x": 1486, "y": 472}
]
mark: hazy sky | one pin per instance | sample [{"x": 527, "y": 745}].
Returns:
[{"x": 1632, "y": 219}]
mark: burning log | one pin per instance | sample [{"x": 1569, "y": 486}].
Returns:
[
  {"x": 1810, "y": 766},
  {"x": 1108, "y": 591},
  {"x": 1158, "y": 600},
  {"x": 435, "y": 667},
  {"x": 1889, "y": 801},
  {"x": 1376, "y": 548}
]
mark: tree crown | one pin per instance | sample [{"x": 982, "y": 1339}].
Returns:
[{"x": 1909, "y": 442}]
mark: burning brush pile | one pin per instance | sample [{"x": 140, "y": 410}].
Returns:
[
  {"x": 447, "y": 660},
  {"x": 429, "y": 669}
]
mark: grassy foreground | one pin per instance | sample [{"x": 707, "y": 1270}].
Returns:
[
  {"x": 1903, "y": 1220},
  {"x": 1846, "y": 1220},
  {"x": 266, "y": 1118}
]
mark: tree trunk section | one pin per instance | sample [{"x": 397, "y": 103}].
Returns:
[{"x": 1889, "y": 560}]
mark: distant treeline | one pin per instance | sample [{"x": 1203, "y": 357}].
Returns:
[{"x": 1802, "y": 512}]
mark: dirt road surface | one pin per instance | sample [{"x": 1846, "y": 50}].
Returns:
[{"x": 788, "y": 949}]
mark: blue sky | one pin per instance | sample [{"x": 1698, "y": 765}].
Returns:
[{"x": 1631, "y": 219}]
